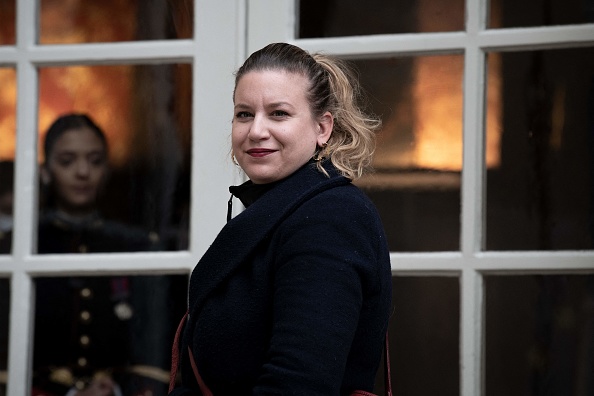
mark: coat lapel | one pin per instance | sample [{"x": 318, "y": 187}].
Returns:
[{"x": 241, "y": 235}]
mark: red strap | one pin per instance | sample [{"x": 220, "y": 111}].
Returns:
[
  {"x": 387, "y": 376},
  {"x": 175, "y": 354},
  {"x": 203, "y": 388},
  {"x": 175, "y": 362},
  {"x": 206, "y": 392}
]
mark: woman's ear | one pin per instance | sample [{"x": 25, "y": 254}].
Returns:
[{"x": 325, "y": 124}]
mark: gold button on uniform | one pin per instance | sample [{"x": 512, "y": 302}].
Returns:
[
  {"x": 85, "y": 340},
  {"x": 85, "y": 316}
]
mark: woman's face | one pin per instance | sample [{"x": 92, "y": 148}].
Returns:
[
  {"x": 274, "y": 131},
  {"x": 76, "y": 168}
]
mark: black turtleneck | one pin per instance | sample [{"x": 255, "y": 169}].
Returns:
[{"x": 248, "y": 193}]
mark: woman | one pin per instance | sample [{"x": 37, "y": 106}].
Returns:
[
  {"x": 92, "y": 332},
  {"x": 73, "y": 175},
  {"x": 294, "y": 294}
]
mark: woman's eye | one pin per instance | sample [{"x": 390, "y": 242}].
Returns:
[
  {"x": 65, "y": 160},
  {"x": 242, "y": 114},
  {"x": 279, "y": 113},
  {"x": 97, "y": 160}
]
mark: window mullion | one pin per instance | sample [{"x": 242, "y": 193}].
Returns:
[
  {"x": 19, "y": 356},
  {"x": 522, "y": 39},
  {"x": 473, "y": 172},
  {"x": 26, "y": 24},
  {"x": 472, "y": 198},
  {"x": 471, "y": 328}
]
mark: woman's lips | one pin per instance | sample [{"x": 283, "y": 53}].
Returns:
[
  {"x": 260, "y": 152},
  {"x": 82, "y": 189}
]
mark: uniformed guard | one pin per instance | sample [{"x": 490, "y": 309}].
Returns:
[{"x": 95, "y": 331}]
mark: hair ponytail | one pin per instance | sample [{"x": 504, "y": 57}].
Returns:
[{"x": 352, "y": 143}]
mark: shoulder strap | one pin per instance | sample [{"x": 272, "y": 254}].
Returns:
[
  {"x": 175, "y": 353},
  {"x": 387, "y": 375},
  {"x": 175, "y": 362},
  {"x": 203, "y": 388}
]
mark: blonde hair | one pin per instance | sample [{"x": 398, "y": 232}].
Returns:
[{"x": 333, "y": 88}]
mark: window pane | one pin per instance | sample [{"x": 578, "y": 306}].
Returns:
[
  {"x": 7, "y": 25},
  {"x": 332, "y": 18},
  {"x": 527, "y": 13},
  {"x": 418, "y": 159},
  {"x": 540, "y": 197},
  {"x": 424, "y": 337},
  {"x": 82, "y": 21},
  {"x": 6, "y": 205},
  {"x": 133, "y": 194},
  {"x": 7, "y": 148},
  {"x": 539, "y": 335},
  {"x": 119, "y": 326},
  {"x": 4, "y": 312}
]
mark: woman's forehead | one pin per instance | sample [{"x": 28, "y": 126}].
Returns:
[{"x": 77, "y": 139}]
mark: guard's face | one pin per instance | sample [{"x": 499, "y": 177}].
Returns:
[
  {"x": 274, "y": 131},
  {"x": 76, "y": 169}
]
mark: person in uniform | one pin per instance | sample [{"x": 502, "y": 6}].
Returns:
[{"x": 104, "y": 335}]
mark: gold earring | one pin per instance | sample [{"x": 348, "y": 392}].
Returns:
[
  {"x": 234, "y": 159},
  {"x": 319, "y": 154}
]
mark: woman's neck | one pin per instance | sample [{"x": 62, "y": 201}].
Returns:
[{"x": 80, "y": 216}]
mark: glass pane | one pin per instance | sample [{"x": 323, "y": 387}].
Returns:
[
  {"x": 418, "y": 159},
  {"x": 526, "y": 13},
  {"x": 7, "y": 150},
  {"x": 332, "y": 18},
  {"x": 424, "y": 337},
  {"x": 87, "y": 329},
  {"x": 115, "y": 169},
  {"x": 541, "y": 195},
  {"x": 83, "y": 21},
  {"x": 6, "y": 205},
  {"x": 539, "y": 335},
  {"x": 4, "y": 312},
  {"x": 7, "y": 25}
]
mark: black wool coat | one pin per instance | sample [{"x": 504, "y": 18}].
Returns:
[{"x": 293, "y": 296}]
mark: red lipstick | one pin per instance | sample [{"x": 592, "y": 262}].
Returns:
[{"x": 260, "y": 152}]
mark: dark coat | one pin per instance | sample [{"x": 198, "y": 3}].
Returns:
[{"x": 294, "y": 294}]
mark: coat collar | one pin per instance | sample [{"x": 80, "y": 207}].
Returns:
[{"x": 241, "y": 235}]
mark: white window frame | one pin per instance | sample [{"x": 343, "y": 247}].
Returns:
[
  {"x": 275, "y": 20},
  {"x": 213, "y": 62}
]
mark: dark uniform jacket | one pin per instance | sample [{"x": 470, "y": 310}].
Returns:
[
  {"x": 114, "y": 324},
  {"x": 294, "y": 294}
]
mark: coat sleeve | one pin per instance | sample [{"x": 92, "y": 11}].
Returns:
[{"x": 325, "y": 263}]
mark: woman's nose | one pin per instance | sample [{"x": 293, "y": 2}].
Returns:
[
  {"x": 83, "y": 168},
  {"x": 259, "y": 129}
]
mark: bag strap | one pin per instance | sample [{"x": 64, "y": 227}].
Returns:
[
  {"x": 206, "y": 392},
  {"x": 387, "y": 376},
  {"x": 203, "y": 388},
  {"x": 175, "y": 353}
]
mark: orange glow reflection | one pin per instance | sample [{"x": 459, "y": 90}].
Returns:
[
  {"x": 7, "y": 113},
  {"x": 437, "y": 94},
  {"x": 103, "y": 92},
  {"x": 7, "y": 17},
  {"x": 80, "y": 21},
  {"x": 426, "y": 130}
]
